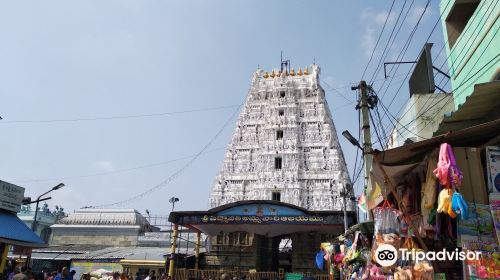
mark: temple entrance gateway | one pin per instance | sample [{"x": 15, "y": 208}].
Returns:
[{"x": 263, "y": 235}]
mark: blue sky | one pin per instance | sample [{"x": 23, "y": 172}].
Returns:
[{"x": 89, "y": 59}]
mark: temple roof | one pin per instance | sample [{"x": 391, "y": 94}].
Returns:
[{"x": 105, "y": 217}]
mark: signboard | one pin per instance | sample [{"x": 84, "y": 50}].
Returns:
[
  {"x": 476, "y": 232},
  {"x": 493, "y": 168},
  {"x": 422, "y": 78},
  {"x": 293, "y": 276},
  {"x": 495, "y": 212},
  {"x": 479, "y": 223},
  {"x": 11, "y": 197},
  {"x": 21, "y": 251},
  {"x": 216, "y": 219}
]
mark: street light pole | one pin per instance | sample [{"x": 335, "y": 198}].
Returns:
[
  {"x": 34, "y": 224},
  {"x": 172, "y": 200}
]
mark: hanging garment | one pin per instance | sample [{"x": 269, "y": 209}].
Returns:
[
  {"x": 429, "y": 191},
  {"x": 455, "y": 175},
  {"x": 459, "y": 205},
  {"x": 320, "y": 261},
  {"x": 444, "y": 200},
  {"x": 443, "y": 165}
]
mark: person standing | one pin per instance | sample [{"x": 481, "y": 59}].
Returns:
[
  {"x": 63, "y": 275},
  {"x": 21, "y": 275}
]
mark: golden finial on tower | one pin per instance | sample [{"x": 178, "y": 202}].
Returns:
[
  {"x": 306, "y": 72},
  {"x": 292, "y": 72},
  {"x": 272, "y": 74},
  {"x": 279, "y": 74},
  {"x": 266, "y": 75},
  {"x": 299, "y": 72}
]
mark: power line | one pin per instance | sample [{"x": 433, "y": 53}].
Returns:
[
  {"x": 378, "y": 40},
  {"x": 119, "y": 170},
  {"x": 469, "y": 38},
  {"x": 455, "y": 32},
  {"x": 405, "y": 49},
  {"x": 380, "y": 122},
  {"x": 357, "y": 150},
  {"x": 376, "y": 130},
  {"x": 460, "y": 38},
  {"x": 389, "y": 40},
  {"x": 340, "y": 93},
  {"x": 461, "y": 92},
  {"x": 473, "y": 41},
  {"x": 465, "y": 81},
  {"x": 179, "y": 171},
  {"x": 122, "y": 117}
]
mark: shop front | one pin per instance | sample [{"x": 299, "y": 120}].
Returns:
[
  {"x": 433, "y": 212},
  {"x": 14, "y": 234}
]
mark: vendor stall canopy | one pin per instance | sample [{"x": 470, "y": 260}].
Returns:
[
  {"x": 414, "y": 153},
  {"x": 13, "y": 231}
]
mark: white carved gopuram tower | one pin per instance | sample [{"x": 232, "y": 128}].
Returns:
[{"x": 285, "y": 146}]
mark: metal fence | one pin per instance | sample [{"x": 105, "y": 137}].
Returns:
[{"x": 194, "y": 274}]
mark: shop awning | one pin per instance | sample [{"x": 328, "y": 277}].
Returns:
[
  {"x": 481, "y": 106},
  {"x": 13, "y": 231},
  {"x": 468, "y": 137}
]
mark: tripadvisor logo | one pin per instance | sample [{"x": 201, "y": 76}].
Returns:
[{"x": 387, "y": 255}]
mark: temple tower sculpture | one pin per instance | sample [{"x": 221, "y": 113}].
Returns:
[{"x": 285, "y": 146}]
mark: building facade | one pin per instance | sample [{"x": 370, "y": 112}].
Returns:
[
  {"x": 45, "y": 219},
  {"x": 109, "y": 227},
  {"x": 285, "y": 146},
  {"x": 471, "y": 36},
  {"x": 420, "y": 119}
]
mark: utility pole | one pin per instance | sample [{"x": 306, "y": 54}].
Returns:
[
  {"x": 364, "y": 106},
  {"x": 344, "y": 197}
]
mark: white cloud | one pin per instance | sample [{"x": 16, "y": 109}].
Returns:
[
  {"x": 373, "y": 25},
  {"x": 415, "y": 15},
  {"x": 103, "y": 165},
  {"x": 368, "y": 42}
]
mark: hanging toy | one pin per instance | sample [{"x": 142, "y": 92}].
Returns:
[
  {"x": 444, "y": 200},
  {"x": 459, "y": 205},
  {"x": 455, "y": 175},
  {"x": 443, "y": 165}
]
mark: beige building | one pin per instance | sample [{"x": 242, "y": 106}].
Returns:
[{"x": 109, "y": 227}]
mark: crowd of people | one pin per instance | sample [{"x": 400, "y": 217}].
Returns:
[{"x": 25, "y": 273}]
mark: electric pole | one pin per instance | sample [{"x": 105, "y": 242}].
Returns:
[{"x": 364, "y": 105}]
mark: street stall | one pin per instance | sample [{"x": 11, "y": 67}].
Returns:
[
  {"x": 13, "y": 232},
  {"x": 434, "y": 216}
]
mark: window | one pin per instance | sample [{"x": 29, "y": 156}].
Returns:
[
  {"x": 276, "y": 196},
  {"x": 281, "y": 112},
  {"x": 220, "y": 238},
  {"x": 277, "y": 163},
  {"x": 457, "y": 19},
  {"x": 243, "y": 238},
  {"x": 279, "y": 134},
  {"x": 282, "y": 94}
]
